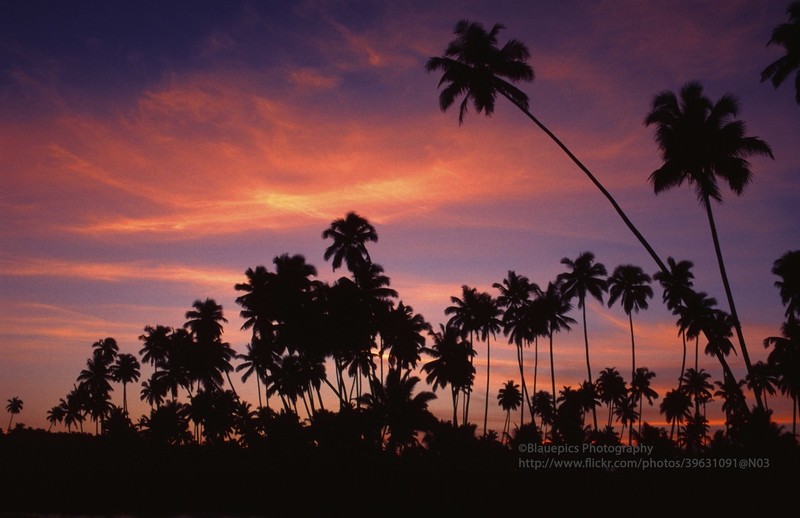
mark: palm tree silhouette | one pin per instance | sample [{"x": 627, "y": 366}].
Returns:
[
  {"x": 55, "y": 415},
  {"x": 451, "y": 364},
  {"x": 677, "y": 285},
  {"x": 554, "y": 312},
  {"x": 785, "y": 360},
  {"x": 697, "y": 385},
  {"x": 640, "y": 390},
  {"x": 406, "y": 339},
  {"x": 702, "y": 143},
  {"x": 95, "y": 380},
  {"x": 625, "y": 410},
  {"x": 156, "y": 344},
  {"x": 515, "y": 297},
  {"x": 153, "y": 391},
  {"x": 675, "y": 407},
  {"x": 787, "y": 267},
  {"x": 764, "y": 378},
  {"x": 509, "y": 398},
  {"x": 465, "y": 318},
  {"x": 583, "y": 277},
  {"x": 401, "y": 412},
  {"x": 694, "y": 317},
  {"x": 350, "y": 236},
  {"x": 786, "y": 35},
  {"x": 544, "y": 406},
  {"x": 488, "y": 324},
  {"x": 732, "y": 396},
  {"x": 125, "y": 370},
  {"x": 611, "y": 388},
  {"x": 13, "y": 407},
  {"x": 473, "y": 66},
  {"x": 630, "y": 285},
  {"x": 105, "y": 350},
  {"x": 212, "y": 354},
  {"x": 257, "y": 360}
]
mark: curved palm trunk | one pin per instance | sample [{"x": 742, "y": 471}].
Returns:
[
  {"x": 488, "y": 372},
  {"x": 588, "y": 366},
  {"x": 454, "y": 392},
  {"x": 597, "y": 184},
  {"x": 736, "y": 323}
]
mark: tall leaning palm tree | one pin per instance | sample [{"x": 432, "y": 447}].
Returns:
[
  {"x": 703, "y": 144},
  {"x": 631, "y": 286},
  {"x": 475, "y": 67},
  {"x": 584, "y": 276},
  {"x": 786, "y": 35}
]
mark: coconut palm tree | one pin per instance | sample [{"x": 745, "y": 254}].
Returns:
[
  {"x": 105, "y": 350},
  {"x": 786, "y": 35},
  {"x": 465, "y": 318},
  {"x": 764, "y": 378},
  {"x": 677, "y": 285},
  {"x": 694, "y": 316},
  {"x": 156, "y": 343},
  {"x": 212, "y": 355},
  {"x": 787, "y": 267},
  {"x": 488, "y": 324},
  {"x": 784, "y": 358},
  {"x": 153, "y": 391},
  {"x": 515, "y": 297},
  {"x": 405, "y": 339},
  {"x": 676, "y": 408},
  {"x": 696, "y": 384},
  {"x": 400, "y": 412},
  {"x": 732, "y": 396},
  {"x": 583, "y": 276},
  {"x": 554, "y": 312},
  {"x": 640, "y": 390},
  {"x": 543, "y": 406},
  {"x": 125, "y": 370},
  {"x": 611, "y": 388},
  {"x": 702, "y": 144},
  {"x": 13, "y": 407},
  {"x": 95, "y": 379},
  {"x": 55, "y": 415},
  {"x": 475, "y": 67},
  {"x": 451, "y": 364},
  {"x": 256, "y": 361},
  {"x": 631, "y": 286},
  {"x": 509, "y": 398},
  {"x": 350, "y": 236}
]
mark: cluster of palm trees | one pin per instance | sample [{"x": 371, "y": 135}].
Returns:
[{"x": 372, "y": 343}]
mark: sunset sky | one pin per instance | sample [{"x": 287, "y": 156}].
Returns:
[{"x": 151, "y": 152}]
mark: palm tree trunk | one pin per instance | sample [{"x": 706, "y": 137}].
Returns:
[
  {"x": 597, "y": 184},
  {"x": 454, "y": 393},
  {"x": 258, "y": 390},
  {"x": 124, "y": 397},
  {"x": 525, "y": 395},
  {"x": 639, "y": 430},
  {"x": 468, "y": 395},
  {"x": 683, "y": 361},
  {"x": 227, "y": 375},
  {"x": 553, "y": 375},
  {"x": 588, "y": 366},
  {"x": 736, "y": 323},
  {"x": 488, "y": 372},
  {"x": 633, "y": 349},
  {"x": 535, "y": 363}
]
